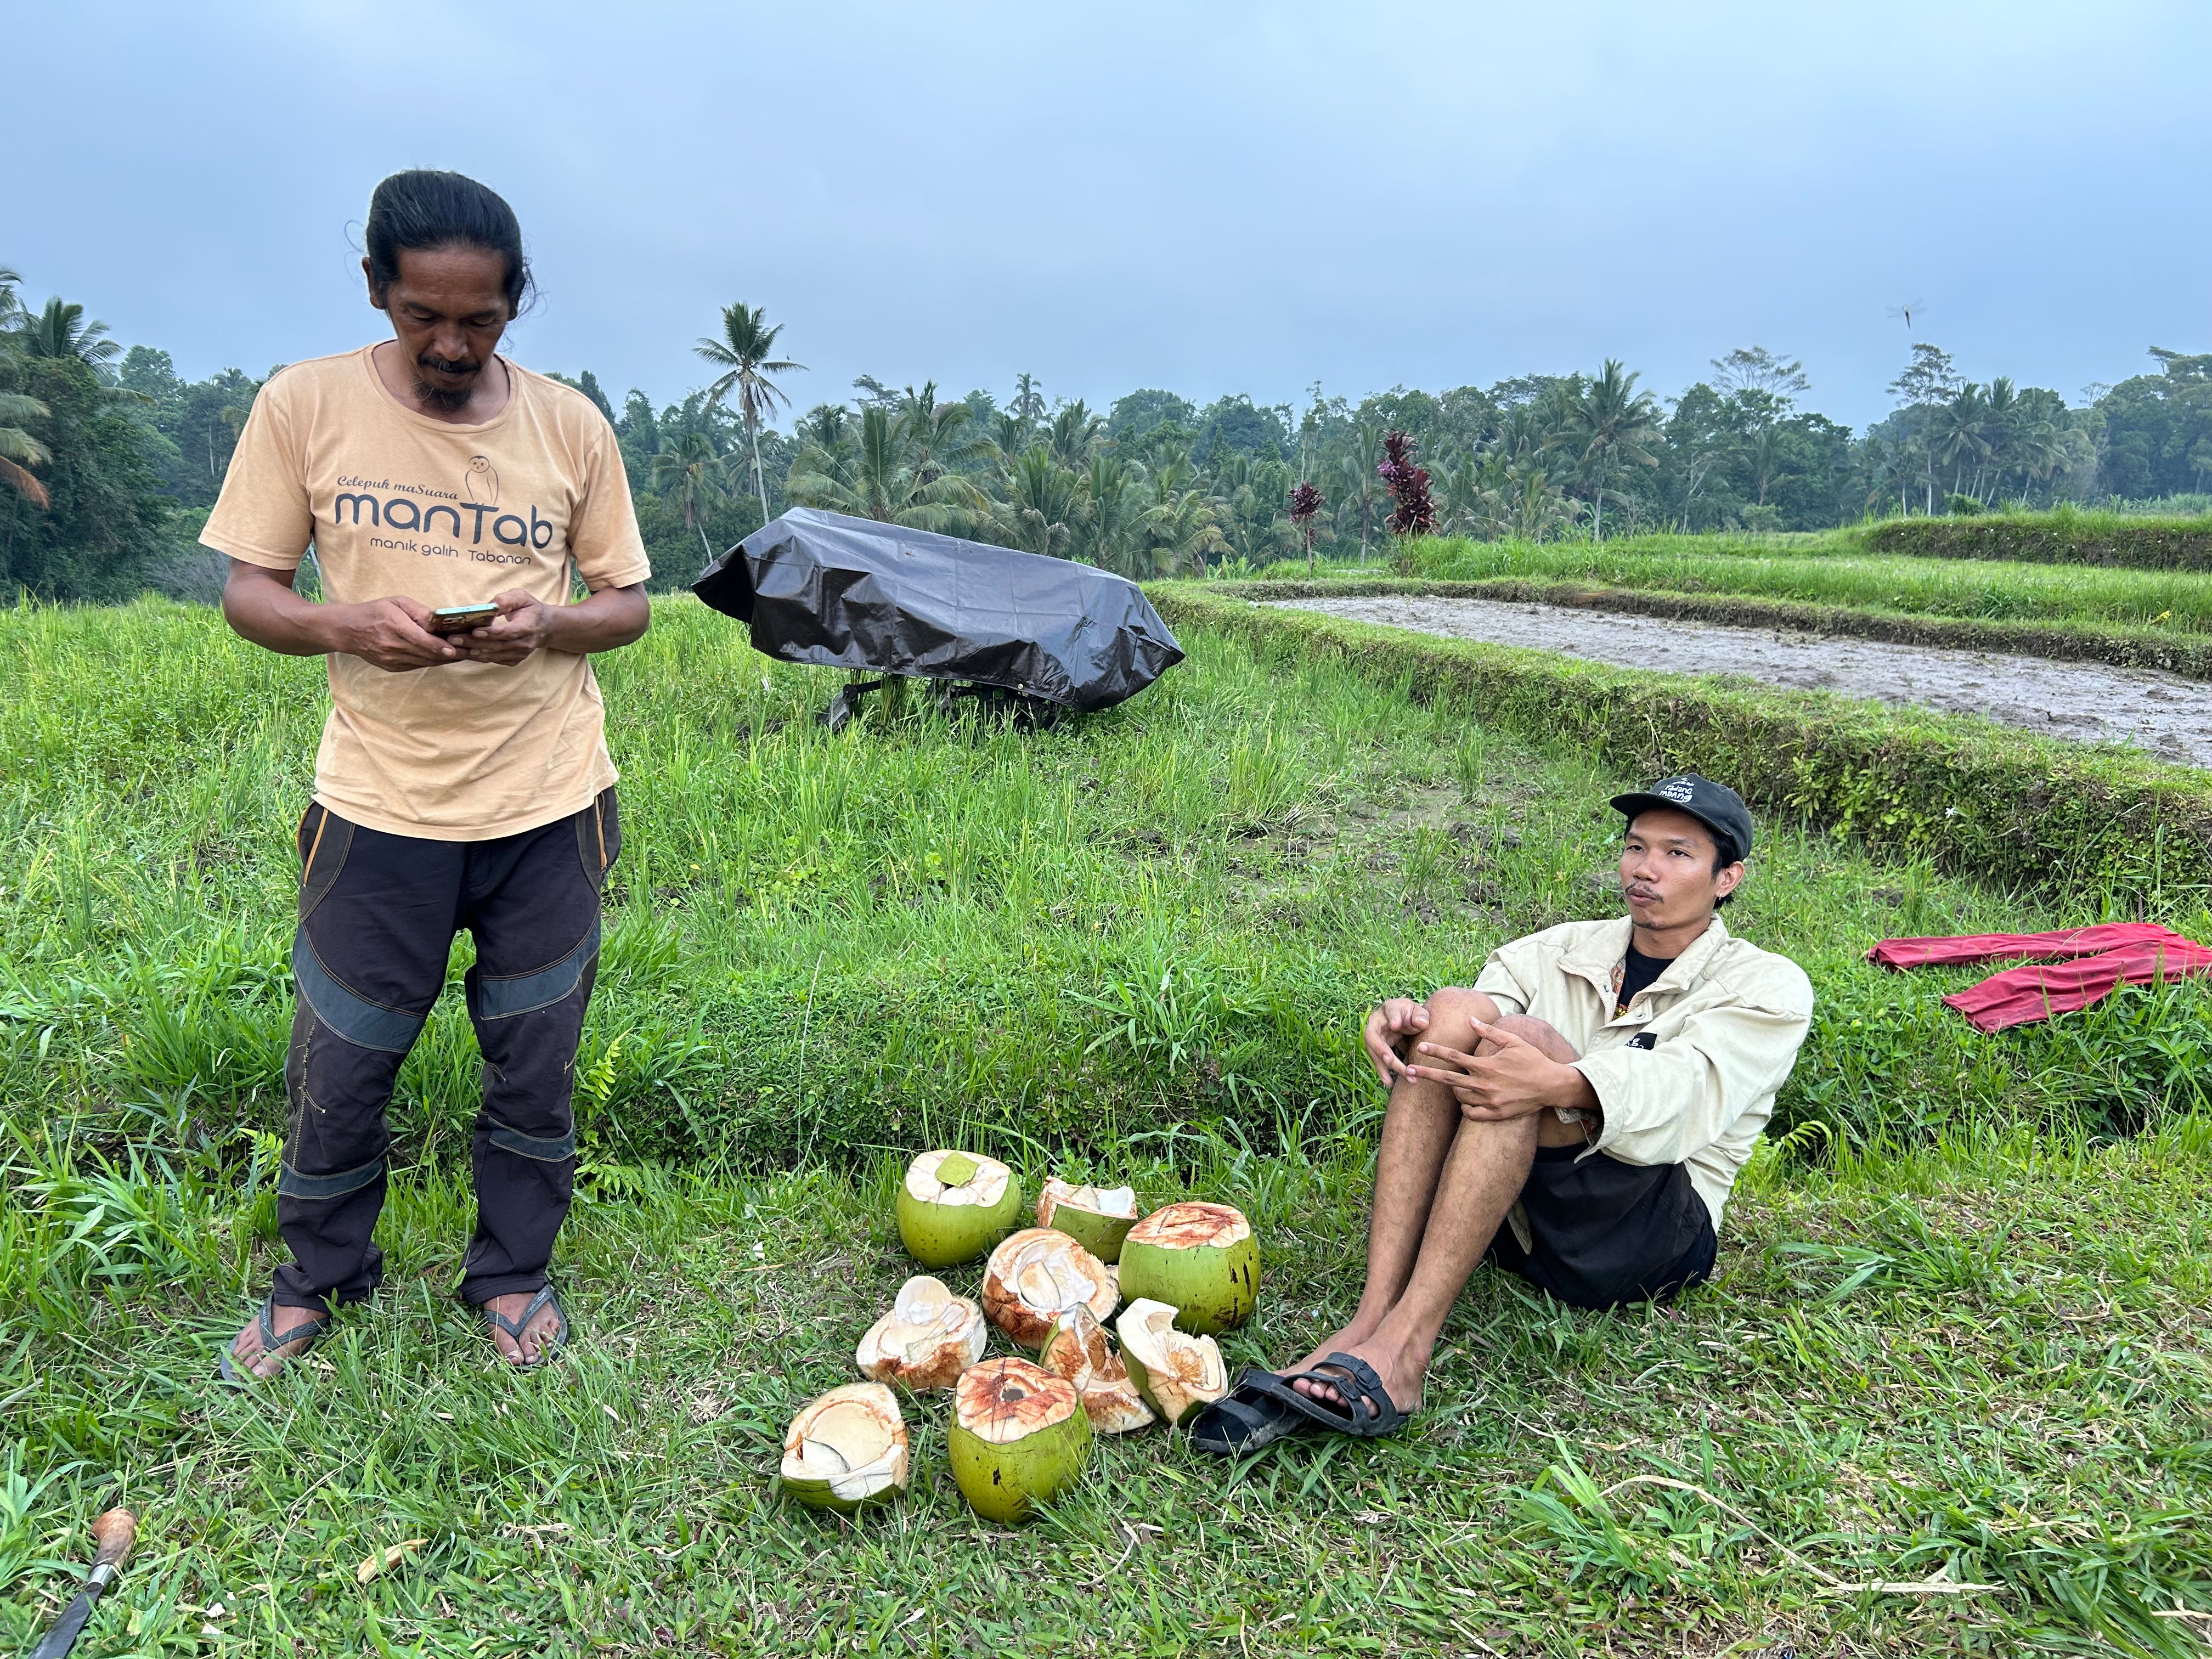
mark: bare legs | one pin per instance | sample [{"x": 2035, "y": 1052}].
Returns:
[{"x": 1442, "y": 1187}]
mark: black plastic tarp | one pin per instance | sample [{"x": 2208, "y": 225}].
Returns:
[{"x": 843, "y": 592}]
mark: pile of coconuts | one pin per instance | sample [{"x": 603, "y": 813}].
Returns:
[{"x": 1022, "y": 1427}]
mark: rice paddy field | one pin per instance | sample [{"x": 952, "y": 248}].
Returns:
[
  {"x": 1834, "y": 568},
  {"x": 1948, "y": 1391}
]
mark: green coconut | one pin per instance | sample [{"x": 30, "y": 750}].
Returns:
[
  {"x": 1172, "y": 1371},
  {"x": 1019, "y": 1438},
  {"x": 846, "y": 1449},
  {"x": 1097, "y": 1218},
  {"x": 1201, "y": 1258},
  {"x": 953, "y": 1206}
]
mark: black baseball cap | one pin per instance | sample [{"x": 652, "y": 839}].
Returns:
[{"x": 1715, "y": 805}]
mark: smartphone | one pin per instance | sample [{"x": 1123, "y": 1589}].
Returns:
[{"x": 459, "y": 618}]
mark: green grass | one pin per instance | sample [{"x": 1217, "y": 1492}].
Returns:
[
  {"x": 1957, "y": 1325},
  {"x": 2066, "y": 537},
  {"x": 1833, "y": 571},
  {"x": 1988, "y": 1362}
]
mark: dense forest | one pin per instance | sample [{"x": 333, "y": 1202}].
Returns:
[{"x": 109, "y": 459}]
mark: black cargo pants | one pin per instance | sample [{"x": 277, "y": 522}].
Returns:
[{"x": 378, "y": 913}]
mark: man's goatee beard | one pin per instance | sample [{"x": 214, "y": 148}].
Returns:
[{"x": 442, "y": 398}]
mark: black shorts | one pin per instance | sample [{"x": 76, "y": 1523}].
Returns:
[{"x": 1603, "y": 1233}]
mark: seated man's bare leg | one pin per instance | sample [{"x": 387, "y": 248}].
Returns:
[
  {"x": 1479, "y": 1176},
  {"x": 1417, "y": 1137}
]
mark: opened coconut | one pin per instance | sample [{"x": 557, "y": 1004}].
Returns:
[
  {"x": 952, "y": 1206},
  {"x": 846, "y": 1448},
  {"x": 1097, "y": 1218},
  {"x": 1039, "y": 1274},
  {"x": 1019, "y": 1438},
  {"x": 1174, "y": 1372},
  {"x": 927, "y": 1339},
  {"x": 1202, "y": 1258},
  {"x": 1080, "y": 1350}
]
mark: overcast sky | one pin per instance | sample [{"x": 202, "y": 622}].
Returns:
[{"x": 1204, "y": 197}]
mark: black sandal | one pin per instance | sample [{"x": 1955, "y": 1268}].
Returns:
[
  {"x": 1368, "y": 1413},
  {"x": 515, "y": 1328},
  {"x": 311, "y": 1331},
  {"x": 1247, "y": 1419}
]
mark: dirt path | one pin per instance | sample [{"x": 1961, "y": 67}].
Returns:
[{"x": 2085, "y": 703}]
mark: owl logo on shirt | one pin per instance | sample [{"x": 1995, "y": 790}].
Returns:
[{"x": 482, "y": 482}]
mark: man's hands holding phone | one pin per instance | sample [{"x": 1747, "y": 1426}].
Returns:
[
  {"x": 518, "y": 632},
  {"x": 394, "y": 635},
  {"x": 399, "y": 634}
]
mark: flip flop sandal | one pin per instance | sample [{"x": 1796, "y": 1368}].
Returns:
[
  {"x": 515, "y": 1328},
  {"x": 244, "y": 1375},
  {"x": 1247, "y": 1419},
  {"x": 1368, "y": 1413}
]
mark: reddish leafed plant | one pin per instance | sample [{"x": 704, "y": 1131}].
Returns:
[
  {"x": 1305, "y": 502},
  {"x": 1414, "y": 513}
]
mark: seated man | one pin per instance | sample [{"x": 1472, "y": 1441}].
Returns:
[{"x": 1577, "y": 1118}]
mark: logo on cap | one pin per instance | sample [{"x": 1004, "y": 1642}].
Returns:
[{"x": 1677, "y": 789}]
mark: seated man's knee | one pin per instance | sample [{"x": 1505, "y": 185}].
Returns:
[{"x": 1455, "y": 1009}]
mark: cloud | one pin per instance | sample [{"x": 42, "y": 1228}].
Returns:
[{"x": 1229, "y": 198}]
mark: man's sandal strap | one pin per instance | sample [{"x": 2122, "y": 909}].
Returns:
[
  {"x": 1245, "y": 1420},
  {"x": 310, "y": 1331},
  {"x": 549, "y": 1344},
  {"x": 1367, "y": 1413}
]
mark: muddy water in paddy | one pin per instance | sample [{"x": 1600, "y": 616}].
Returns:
[{"x": 2087, "y": 702}]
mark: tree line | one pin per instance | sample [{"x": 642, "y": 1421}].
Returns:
[{"x": 109, "y": 459}]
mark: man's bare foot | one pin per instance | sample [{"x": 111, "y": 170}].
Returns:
[
  {"x": 1361, "y": 1329},
  {"x": 1401, "y": 1370},
  {"x": 536, "y": 1334},
  {"x": 246, "y": 1349}
]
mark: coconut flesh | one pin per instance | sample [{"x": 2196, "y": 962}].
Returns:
[
  {"x": 1019, "y": 1438},
  {"x": 846, "y": 1448},
  {"x": 927, "y": 1339},
  {"x": 1039, "y": 1274},
  {"x": 1174, "y": 1372},
  {"x": 1097, "y": 1218},
  {"x": 1080, "y": 1350},
  {"x": 1202, "y": 1258},
  {"x": 954, "y": 1205}
]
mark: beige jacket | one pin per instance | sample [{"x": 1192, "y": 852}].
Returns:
[{"x": 1724, "y": 1021}]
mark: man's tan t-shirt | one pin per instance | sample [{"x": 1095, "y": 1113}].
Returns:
[{"x": 397, "y": 503}]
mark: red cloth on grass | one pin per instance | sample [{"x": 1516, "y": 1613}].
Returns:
[
  {"x": 1988, "y": 947},
  {"x": 2021, "y": 995}
]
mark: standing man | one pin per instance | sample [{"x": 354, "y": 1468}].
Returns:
[
  {"x": 463, "y": 780},
  {"x": 1578, "y": 1118}
]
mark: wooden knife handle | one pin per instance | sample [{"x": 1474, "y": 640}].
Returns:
[{"x": 115, "y": 1531}]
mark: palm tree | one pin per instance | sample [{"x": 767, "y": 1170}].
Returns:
[
  {"x": 1611, "y": 424},
  {"x": 1962, "y": 432},
  {"x": 61, "y": 330},
  {"x": 878, "y": 480},
  {"x": 1043, "y": 499},
  {"x": 1359, "y": 486},
  {"x": 1075, "y": 435},
  {"x": 1111, "y": 530},
  {"x": 936, "y": 434},
  {"x": 1010, "y": 435},
  {"x": 693, "y": 479},
  {"x": 742, "y": 352},
  {"x": 19, "y": 450},
  {"x": 1179, "y": 524},
  {"x": 1540, "y": 508}
]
